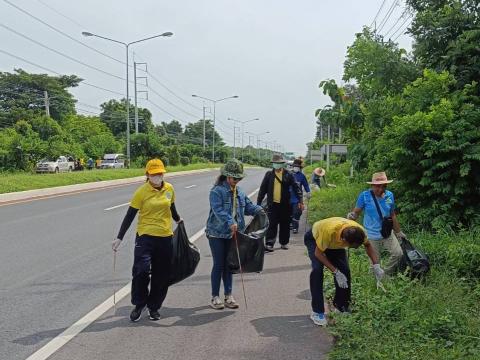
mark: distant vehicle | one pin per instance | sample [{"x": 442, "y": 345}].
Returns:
[
  {"x": 113, "y": 161},
  {"x": 62, "y": 164}
]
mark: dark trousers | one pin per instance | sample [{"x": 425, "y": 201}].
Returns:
[
  {"x": 338, "y": 257},
  {"x": 278, "y": 217},
  {"x": 296, "y": 215},
  {"x": 151, "y": 265},
  {"x": 220, "y": 248}
]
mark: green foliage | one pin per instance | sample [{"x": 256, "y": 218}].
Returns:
[
  {"x": 114, "y": 114},
  {"x": 173, "y": 155},
  {"x": 21, "y": 96},
  {"x": 380, "y": 68},
  {"x": 434, "y": 152},
  {"x": 438, "y": 318},
  {"x": 446, "y": 36},
  {"x": 184, "y": 160}
]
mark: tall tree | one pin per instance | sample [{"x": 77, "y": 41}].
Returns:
[
  {"x": 22, "y": 96},
  {"x": 447, "y": 37},
  {"x": 114, "y": 115}
]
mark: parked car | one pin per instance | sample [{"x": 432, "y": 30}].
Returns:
[
  {"x": 113, "y": 161},
  {"x": 55, "y": 166}
]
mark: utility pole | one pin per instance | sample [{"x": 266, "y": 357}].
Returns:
[
  {"x": 234, "y": 137},
  {"x": 47, "y": 103},
  {"x": 204, "y": 128},
  {"x": 135, "y": 78}
]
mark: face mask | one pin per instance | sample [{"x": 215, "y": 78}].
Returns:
[
  {"x": 156, "y": 179},
  {"x": 278, "y": 166},
  {"x": 296, "y": 169}
]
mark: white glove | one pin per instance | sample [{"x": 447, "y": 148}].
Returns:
[
  {"x": 378, "y": 272},
  {"x": 341, "y": 279},
  {"x": 115, "y": 244},
  {"x": 400, "y": 235},
  {"x": 308, "y": 195},
  {"x": 179, "y": 221},
  {"x": 352, "y": 215}
]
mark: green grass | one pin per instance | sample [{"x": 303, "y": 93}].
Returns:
[
  {"x": 11, "y": 182},
  {"x": 438, "y": 318}
]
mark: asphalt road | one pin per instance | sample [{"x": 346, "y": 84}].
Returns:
[{"x": 56, "y": 266}]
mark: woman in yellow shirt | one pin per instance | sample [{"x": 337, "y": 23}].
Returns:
[{"x": 155, "y": 203}]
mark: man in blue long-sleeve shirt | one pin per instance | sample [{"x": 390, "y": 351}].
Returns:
[{"x": 302, "y": 184}]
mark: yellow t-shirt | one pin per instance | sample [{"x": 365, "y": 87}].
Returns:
[
  {"x": 327, "y": 233},
  {"x": 277, "y": 188},
  {"x": 154, "y": 215}
]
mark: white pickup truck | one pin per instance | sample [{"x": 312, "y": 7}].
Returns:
[{"x": 60, "y": 165}]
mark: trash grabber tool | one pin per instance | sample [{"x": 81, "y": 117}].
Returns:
[
  {"x": 241, "y": 270},
  {"x": 114, "y": 287}
]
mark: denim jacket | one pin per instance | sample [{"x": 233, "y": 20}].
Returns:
[{"x": 221, "y": 208}]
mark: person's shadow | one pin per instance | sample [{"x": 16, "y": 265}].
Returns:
[{"x": 187, "y": 317}]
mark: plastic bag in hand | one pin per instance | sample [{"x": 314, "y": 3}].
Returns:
[{"x": 185, "y": 256}]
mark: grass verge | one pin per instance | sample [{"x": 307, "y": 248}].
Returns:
[
  {"x": 438, "y": 318},
  {"x": 11, "y": 182}
]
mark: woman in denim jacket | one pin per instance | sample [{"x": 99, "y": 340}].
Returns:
[{"x": 228, "y": 206}]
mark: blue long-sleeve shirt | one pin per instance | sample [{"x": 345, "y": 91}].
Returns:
[{"x": 302, "y": 183}]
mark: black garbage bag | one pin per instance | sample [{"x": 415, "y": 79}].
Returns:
[
  {"x": 414, "y": 261},
  {"x": 185, "y": 256},
  {"x": 251, "y": 247}
]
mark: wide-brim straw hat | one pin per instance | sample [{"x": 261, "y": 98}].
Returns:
[
  {"x": 278, "y": 159},
  {"x": 379, "y": 178},
  {"x": 319, "y": 171}
]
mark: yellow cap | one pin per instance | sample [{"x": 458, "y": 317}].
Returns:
[{"x": 155, "y": 166}]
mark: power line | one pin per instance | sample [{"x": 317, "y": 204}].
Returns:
[
  {"x": 387, "y": 16},
  {"x": 60, "y": 53},
  {"x": 405, "y": 28},
  {"x": 61, "y": 32},
  {"x": 55, "y": 72},
  {"x": 149, "y": 73},
  {"x": 166, "y": 112},
  {"x": 378, "y": 12},
  {"x": 396, "y": 22},
  {"x": 171, "y": 103},
  {"x": 172, "y": 92},
  {"x": 80, "y": 26}
]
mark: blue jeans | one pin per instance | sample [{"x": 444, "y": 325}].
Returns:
[
  {"x": 338, "y": 258},
  {"x": 220, "y": 271}
]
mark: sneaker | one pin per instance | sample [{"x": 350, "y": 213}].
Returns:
[
  {"x": 284, "y": 247},
  {"x": 137, "y": 313},
  {"x": 154, "y": 315},
  {"x": 269, "y": 248},
  {"x": 295, "y": 231},
  {"x": 230, "y": 302},
  {"x": 318, "y": 319},
  {"x": 216, "y": 303}
]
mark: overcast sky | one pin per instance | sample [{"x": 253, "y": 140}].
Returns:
[{"x": 271, "y": 53}]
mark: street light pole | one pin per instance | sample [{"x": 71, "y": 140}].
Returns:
[
  {"x": 243, "y": 128},
  {"x": 214, "y": 110},
  {"x": 258, "y": 140},
  {"x": 127, "y": 100}
]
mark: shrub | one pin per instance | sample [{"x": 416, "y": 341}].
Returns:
[{"x": 184, "y": 160}]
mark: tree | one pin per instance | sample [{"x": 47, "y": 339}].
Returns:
[
  {"x": 194, "y": 133},
  {"x": 114, "y": 114},
  {"x": 22, "y": 93},
  {"x": 447, "y": 34},
  {"x": 379, "y": 68}
]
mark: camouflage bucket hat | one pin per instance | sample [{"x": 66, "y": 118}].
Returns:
[{"x": 233, "y": 168}]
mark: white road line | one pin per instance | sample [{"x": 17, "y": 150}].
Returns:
[
  {"x": 60, "y": 340},
  {"x": 116, "y": 207},
  {"x": 190, "y": 186}
]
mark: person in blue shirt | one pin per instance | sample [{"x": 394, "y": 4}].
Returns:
[
  {"x": 228, "y": 207},
  {"x": 373, "y": 223},
  {"x": 302, "y": 184}
]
